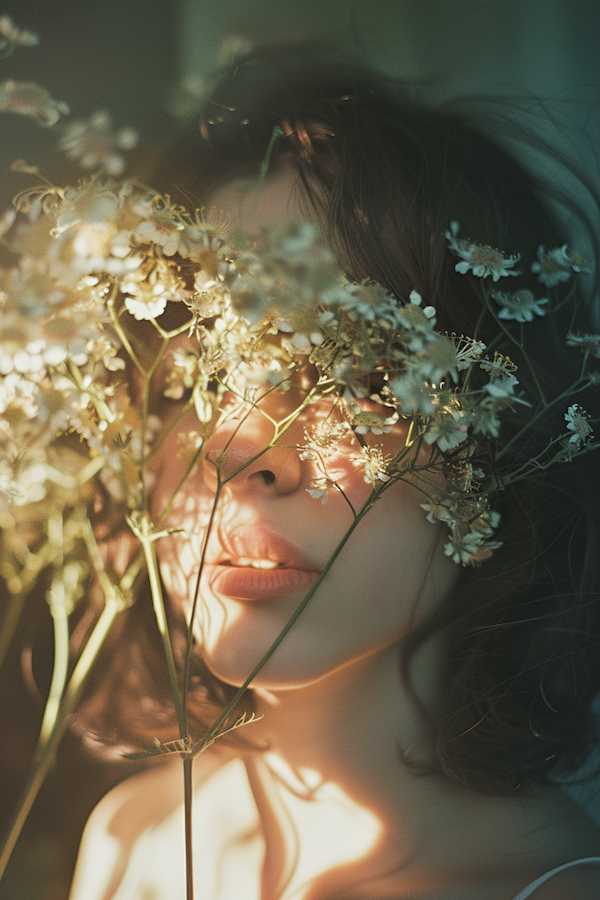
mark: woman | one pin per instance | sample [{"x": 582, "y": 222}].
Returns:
[{"x": 411, "y": 724}]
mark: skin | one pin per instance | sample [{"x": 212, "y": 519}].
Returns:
[{"x": 330, "y": 810}]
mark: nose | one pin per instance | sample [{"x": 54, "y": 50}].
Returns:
[{"x": 237, "y": 450}]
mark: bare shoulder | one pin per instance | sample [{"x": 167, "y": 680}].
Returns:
[
  {"x": 149, "y": 796},
  {"x": 124, "y": 813},
  {"x": 576, "y": 883}
]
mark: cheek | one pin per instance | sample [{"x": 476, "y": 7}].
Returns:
[{"x": 394, "y": 563}]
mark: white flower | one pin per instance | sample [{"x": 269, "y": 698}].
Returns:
[
  {"x": 503, "y": 386},
  {"x": 319, "y": 488},
  {"x": 577, "y": 422},
  {"x": 90, "y": 204},
  {"x": 485, "y": 420},
  {"x": 369, "y": 302},
  {"x": 365, "y": 422},
  {"x": 448, "y": 428},
  {"x": 161, "y": 224},
  {"x": 462, "y": 550},
  {"x": 587, "y": 343},
  {"x": 322, "y": 439},
  {"x": 416, "y": 299},
  {"x": 481, "y": 259},
  {"x": 470, "y": 542},
  {"x": 556, "y": 265},
  {"x": 468, "y": 351},
  {"x": 374, "y": 464},
  {"x": 94, "y": 144},
  {"x": 437, "y": 359},
  {"x": 502, "y": 382},
  {"x": 413, "y": 395},
  {"x": 418, "y": 322},
  {"x": 519, "y": 305},
  {"x": 442, "y": 512},
  {"x": 150, "y": 291}
]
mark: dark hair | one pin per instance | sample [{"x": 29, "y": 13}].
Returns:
[{"x": 385, "y": 175}]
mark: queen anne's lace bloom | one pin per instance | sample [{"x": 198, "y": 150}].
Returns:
[
  {"x": 557, "y": 265},
  {"x": 577, "y": 422},
  {"x": 374, "y": 464},
  {"x": 520, "y": 305},
  {"x": 587, "y": 343},
  {"x": 447, "y": 428},
  {"x": 479, "y": 258},
  {"x": 95, "y": 259}
]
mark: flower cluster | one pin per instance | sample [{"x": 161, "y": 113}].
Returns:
[{"x": 97, "y": 261}]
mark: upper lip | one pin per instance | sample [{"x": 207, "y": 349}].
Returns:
[{"x": 258, "y": 542}]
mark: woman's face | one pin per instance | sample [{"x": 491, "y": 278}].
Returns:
[{"x": 270, "y": 540}]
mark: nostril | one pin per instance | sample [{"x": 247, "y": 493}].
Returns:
[{"x": 267, "y": 476}]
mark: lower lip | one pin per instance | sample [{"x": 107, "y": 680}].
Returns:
[{"x": 247, "y": 583}]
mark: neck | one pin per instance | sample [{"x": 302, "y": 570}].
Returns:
[
  {"x": 357, "y": 714},
  {"x": 345, "y": 734},
  {"x": 349, "y": 729}
]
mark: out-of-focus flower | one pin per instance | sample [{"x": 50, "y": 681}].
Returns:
[
  {"x": 232, "y": 46},
  {"x": 557, "y": 265},
  {"x": 520, "y": 305},
  {"x": 92, "y": 203},
  {"x": 29, "y": 99},
  {"x": 413, "y": 394},
  {"x": 11, "y": 36},
  {"x": 186, "y": 98},
  {"x": 587, "y": 343},
  {"x": 94, "y": 143},
  {"x": 369, "y": 302},
  {"x": 161, "y": 223}
]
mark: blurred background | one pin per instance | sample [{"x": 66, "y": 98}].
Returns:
[{"x": 148, "y": 63}]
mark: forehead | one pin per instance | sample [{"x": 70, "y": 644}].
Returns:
[{"x": 277, "y": 201}]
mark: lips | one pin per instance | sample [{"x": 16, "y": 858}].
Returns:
[{"x": 256, "y": 563}]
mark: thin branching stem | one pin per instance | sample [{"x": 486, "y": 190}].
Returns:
[{"x": 221, "y": 720}]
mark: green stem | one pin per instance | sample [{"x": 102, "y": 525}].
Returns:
[
  {"x": 60, "y": 618},
  {"x": 263, "y": 171},
  {"x": 577, "y": 386},
  {"x": 188, "y": 794},
  {"x": 161, "y": 620},
  {"x": 213, "y": 731},
  {"x": 11, "y": 619},
  {"x": 190, "y": 627},
  {"x": 46, "y": 749},
  {"x": 122, "y": 336}
]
